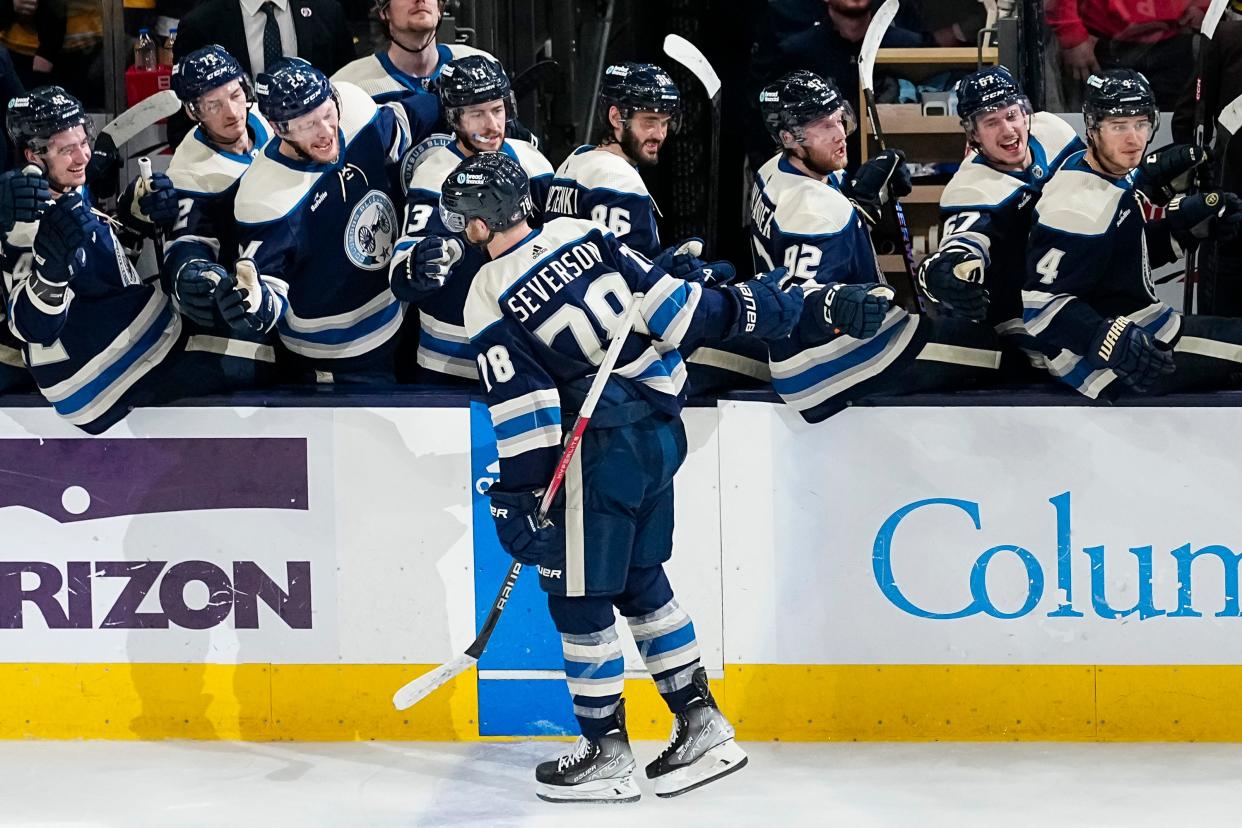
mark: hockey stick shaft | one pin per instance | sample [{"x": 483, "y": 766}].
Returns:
[
  {"x": 421, "y": 687},
  {"x": 694, "y": 61},
  {"x": 144, "y": 170},
  {"x": 1207, "y": 31}
]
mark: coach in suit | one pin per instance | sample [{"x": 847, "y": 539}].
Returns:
[{"x": 257, "y": 32}]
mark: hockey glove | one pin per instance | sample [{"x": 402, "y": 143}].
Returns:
[
  {"x": 1214, "y": 214},
  {"x": 764, "y": 310},
  {"x": 194, "y": 288},
  {"x": 682, "y": 261},
  {"x": 1137, "y": 357},
  {"x": 23, "y": 198},
  {"x": 427, "y": 268},
  {"x": 104, "y": 169},
  {"x": 58, "y": 245},
  {"x": 953, "y": 279},
  {"x": 876, "y": 182},
  {"x": 1170, "y": 170},
  {"x": 853, "y": 310},
  {"x": 517, "y": 525},
  {"x": 152, "y": 204},
  {"x": 245, "y": 301}
]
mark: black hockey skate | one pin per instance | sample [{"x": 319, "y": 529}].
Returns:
[
  {"x": 600, "y": 771},
  {"x": 701, "y": 749}
]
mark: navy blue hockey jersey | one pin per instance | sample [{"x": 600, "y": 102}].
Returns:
[
  {"x": 991, "y": 211},
  {"x": 327, "y": 231},
  {"x": 1087, "y": 261},
  {"x": 443, "y": 346},
  {"x": 540, "y": 317},
  {"x": 600, "y": 185}
]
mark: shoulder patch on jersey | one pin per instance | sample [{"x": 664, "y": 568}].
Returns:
[
  {"x": 430, "y": 172},
  {"x": 371, "y": 231},
  {"x": 419, "y": 151},
  {"x": 978, "y": 186},
  {"x": 600, "y": 169},
  {"x": 531, "y": 159},
  {"x": 1079, "y": 202},
  {"x": 1053, "y": 133}
]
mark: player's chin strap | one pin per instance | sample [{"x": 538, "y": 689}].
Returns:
[{"x": 430, "y": 41}]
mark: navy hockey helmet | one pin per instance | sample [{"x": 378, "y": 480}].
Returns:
[
  {"x": 206, "y": 69},
  {"x": 489, "y": 186},
  {"x": 639, "y": 87},
  {"x": 1119, "y": 93},
  {"x": 470, "y": 80},
  {"x": 798, "y": 99},
  {"x": 291, "y": 89},
  {"x": 988, "y": 90},
  {"x": 36, "y": 117}
]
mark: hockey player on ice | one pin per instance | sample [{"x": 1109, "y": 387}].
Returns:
[
  {"x": 988, "y": 205},
  {"x": 851, "y": 340},
  {"x": 316, "y": 221},
  {"x": 432, "y": 267},
  {"x": 1088, "y": 299},
  {"x": 639, "y": 108},
  {"x": 98, "y": 337},
  {"x": 540, "y": 313},
  {"x": 206, "y": 169},
  {"x": 413, "y": 57}
]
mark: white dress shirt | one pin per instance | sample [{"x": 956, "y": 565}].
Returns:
[{"x": 254, "y": 20}]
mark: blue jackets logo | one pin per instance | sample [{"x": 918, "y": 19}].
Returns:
[{"x": 371, "y": 231}]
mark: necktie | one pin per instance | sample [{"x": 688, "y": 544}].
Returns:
[{"x": 271, "y": 37}]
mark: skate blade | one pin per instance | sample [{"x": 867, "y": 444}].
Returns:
[
  {"x": 717, "y": 763},
  {"x": 599, "y": 792}
]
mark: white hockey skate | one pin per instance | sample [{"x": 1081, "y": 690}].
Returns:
[
  {"x": 598, "y": 772},
  {"x": 701, "y": 750}
]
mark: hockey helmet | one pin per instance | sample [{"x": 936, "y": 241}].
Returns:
[
  {"x": 988, "y": 90},
  {"x": 45, "y": 111},
  {"x": 798, "y": 99},
  {"x": 1119, "y": 93},
  {"x": 206, "y": 69},
  {"x": 639, "y": 87},
  {"x": 291, "y": 89},
  {"x": 470, "y": 80},
  {"x": 489, "y": 186}
]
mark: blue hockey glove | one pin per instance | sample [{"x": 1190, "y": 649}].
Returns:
[
  {"x": 953, "y": 278},
  {"x": 682, "y": 261},
  {"x": 764, "y": 310},
  {"x": 517, "y": 525},
  {"x": 152, "y": 204},
  {"x": 427, "y": 268},
  {"x": 245, "y": 301},
  {"x": 23, "y": 198},
  {"x": 1214, "y": 214},
  {"x": 876, "y": 182},
  {"x": 104, "y": 169},
  {"x": 853, "y": 310},
  {"x": 194, "y": 288},
  {"x": 1169, "y": 170},
  {"x": 1134, "y": 354},
  {"x": 58, "y": 252}
]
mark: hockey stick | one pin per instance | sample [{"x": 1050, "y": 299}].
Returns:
[
  {"x": 145, "y": 113},
  {"x": 880, "y": 22},
  {"x": 1207, "y": 30},
  {"x": 144, "y": 170},
  {"x": 689, "y": 56},
  {"x": 420, "y": 687}
]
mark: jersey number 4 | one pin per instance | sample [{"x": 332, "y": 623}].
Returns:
[{"x": 1048, "y": 265}]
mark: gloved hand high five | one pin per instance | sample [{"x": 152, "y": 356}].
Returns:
[
  {"x": 194, "y": 288},
  {"x": 1134, "y": 354},
  {"x": 1215, "y": 214},
  {"x": 683, "y": 262},
  {"x": 516, "y": 515},
  {"x": 852, "y": 310},
  {"x": 1170, "y": 170},
  {"x": 245, "y": 301},
  {"x": 764, "y": 310},
  {"x": 23, "y": 197},
  {"x": 952, "y": 277},
  {"x": 427, "y": 268},
  {"x": 876, "y": 182}
]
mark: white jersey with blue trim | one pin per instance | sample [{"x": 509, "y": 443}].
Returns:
[
  {"x": 597, "y": 184},
  {"x": 991, "y": 211},
  {"x": 90, "y": 344},
  {"x": 379, "y": 77},
  {"x": 1087, "y": 262},
  {"x": 206, "y": 179},
  {"x": 810, "y": 227},
  {"x": 443, "y": 345},
  {"x": 327, "y": 232},
  {"x": 540, "y": 317}
]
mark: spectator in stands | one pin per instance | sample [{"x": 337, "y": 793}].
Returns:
[
  {"x": 56, "y": 41},
  {"x": 1151, "y": 36},
  {"x": 258, "y": 32}
]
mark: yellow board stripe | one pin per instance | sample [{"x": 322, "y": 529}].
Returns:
[{"x": 314, "y": 702}]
